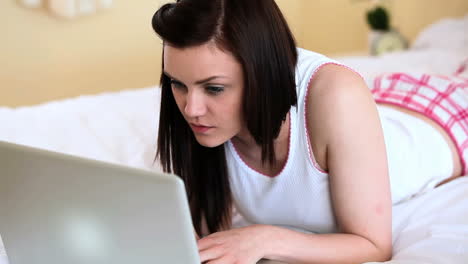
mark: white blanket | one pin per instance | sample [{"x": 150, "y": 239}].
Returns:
[
  {"x": 433, "y": 228},
  {"x": 115, "y": 127}
]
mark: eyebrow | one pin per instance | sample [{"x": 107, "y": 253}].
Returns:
[{"x": 200, "y": 81}]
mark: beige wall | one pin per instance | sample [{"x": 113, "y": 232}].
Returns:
[
  {"x": 44, "y": 58},
  {"x": 339, "y": 26}
]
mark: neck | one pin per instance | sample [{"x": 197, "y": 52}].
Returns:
[{"x": 246, "y": 145}]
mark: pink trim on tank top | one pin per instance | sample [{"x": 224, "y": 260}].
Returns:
[
  {"x": 309, "y": 145},
  {"x": 284, "y": 165}
]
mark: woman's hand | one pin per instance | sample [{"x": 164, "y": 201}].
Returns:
[{"x": 242, "y": 245}]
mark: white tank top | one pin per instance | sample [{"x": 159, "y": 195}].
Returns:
[{"x": 299, "y": 196}]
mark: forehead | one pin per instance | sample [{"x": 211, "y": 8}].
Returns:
[{"x": 199, "y": 62}]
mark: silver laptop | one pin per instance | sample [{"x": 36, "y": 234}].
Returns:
[{"x": 57, "y": 208}]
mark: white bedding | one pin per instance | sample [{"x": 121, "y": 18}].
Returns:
[
  {"x": 115, "y": 127},
  {"x": 439, "y": 49},
  {"x": 121, "y": 127}
]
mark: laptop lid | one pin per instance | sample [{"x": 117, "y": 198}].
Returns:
[{"x": 57, "y": 208}]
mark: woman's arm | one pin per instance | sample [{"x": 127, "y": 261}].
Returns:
[
  {"x": 342, "y": 113},
  {"x": 293, "y": 247}
]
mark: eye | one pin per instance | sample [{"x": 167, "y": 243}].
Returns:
[
  {"x": 176, "y": 84},
  {"x": 214, "y": 89}
]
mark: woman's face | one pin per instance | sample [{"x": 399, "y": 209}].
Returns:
[{"x": 207, "y": 84}]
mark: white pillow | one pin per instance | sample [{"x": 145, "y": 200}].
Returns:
[
  {"x": 448, "y": 33},
  {"x": 119, "y": 127}
]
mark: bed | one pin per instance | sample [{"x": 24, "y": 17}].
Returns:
[{"x": 121, "y": 127}]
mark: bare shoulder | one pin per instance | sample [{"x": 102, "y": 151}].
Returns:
[
  {"x": 333, "y": 89},
  {"x": 333, "y": 80}
]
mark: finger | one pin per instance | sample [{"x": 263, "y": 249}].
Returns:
[
  {"x": 211, "y": 253},
  {"x": 208, "y": 242}
]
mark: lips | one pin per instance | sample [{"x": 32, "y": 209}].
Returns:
[{"x": 199, "y": 128}]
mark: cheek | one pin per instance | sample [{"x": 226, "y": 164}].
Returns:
[{"x": 234, "y": 114}]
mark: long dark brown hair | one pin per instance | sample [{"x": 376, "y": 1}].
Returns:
[{"x": 257, "y": 35}]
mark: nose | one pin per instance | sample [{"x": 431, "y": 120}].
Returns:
[{"x": 194, "y": 104}]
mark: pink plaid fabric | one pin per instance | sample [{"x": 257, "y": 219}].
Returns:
[{"x": 444, "y": 99}]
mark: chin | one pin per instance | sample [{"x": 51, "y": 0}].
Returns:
[{"x": 209, "y": 142}]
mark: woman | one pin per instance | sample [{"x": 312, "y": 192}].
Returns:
[{"x": 281, "y": 149}]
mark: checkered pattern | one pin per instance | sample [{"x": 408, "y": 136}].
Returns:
[{"x": 444, "y": 99}]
